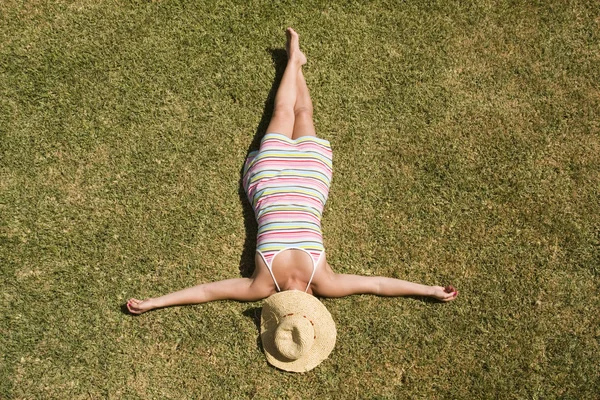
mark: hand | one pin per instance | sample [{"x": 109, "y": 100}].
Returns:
[
  {"x": 137, "y": 307},
  {"x": 444, "y": 294}
]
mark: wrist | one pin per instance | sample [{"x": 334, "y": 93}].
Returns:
[
  {"x": 153, "y": 303},
  {"x": 430, "y": 291}
]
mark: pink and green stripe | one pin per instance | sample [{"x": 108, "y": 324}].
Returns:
[{"x": 287, "y": 182}]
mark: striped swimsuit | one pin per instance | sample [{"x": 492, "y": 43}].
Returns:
[{"x": 287, "y": 182}]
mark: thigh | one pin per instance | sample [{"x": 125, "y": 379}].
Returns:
[
  {"x": 282, "y": 122},
  {"x": 303, "y": 126}
]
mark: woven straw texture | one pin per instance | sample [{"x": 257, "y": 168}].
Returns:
[{"x": 297, "y": 331}]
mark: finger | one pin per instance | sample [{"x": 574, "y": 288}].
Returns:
[
  {"x": 451, "y": 296},
  {"x": 132, "y": 306}
]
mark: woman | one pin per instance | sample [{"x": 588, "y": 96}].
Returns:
[{"x": 287, "y": 183}]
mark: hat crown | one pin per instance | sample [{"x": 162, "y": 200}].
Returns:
[
  {"x": 296, "y": 330},
  {"x": 294, "y": 336}
]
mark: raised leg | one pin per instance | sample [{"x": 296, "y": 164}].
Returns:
[
  {"x": 303, "y": 110},
  {"x": 285, "y": 100}
]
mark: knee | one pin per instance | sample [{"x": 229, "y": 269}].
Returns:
[{"x": 303, "y": 112}]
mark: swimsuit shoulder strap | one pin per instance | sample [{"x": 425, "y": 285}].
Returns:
[
  {"x": 270, "y": 269},
  {"x": 314, "y": 270}
]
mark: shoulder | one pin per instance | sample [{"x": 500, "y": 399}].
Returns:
[
  {"x": 324, "y": 278},
  {"x": 262, "y": 282},
  {"x": 330, "y": 284}
]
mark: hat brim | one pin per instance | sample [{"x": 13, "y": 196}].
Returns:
[{"x": 296, "y": 302}]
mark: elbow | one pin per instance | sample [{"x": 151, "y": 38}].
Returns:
[
  {"x": 203, "y": 295},
  {"x": 378, "y": 287}
]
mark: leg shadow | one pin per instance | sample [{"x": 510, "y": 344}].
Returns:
[{"x": 279, "y": 57}]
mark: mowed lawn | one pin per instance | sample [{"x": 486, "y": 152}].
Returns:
[{"x": 466, "y": 140}]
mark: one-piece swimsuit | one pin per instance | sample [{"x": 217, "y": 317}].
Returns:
[{"x": 287, "y": 183}]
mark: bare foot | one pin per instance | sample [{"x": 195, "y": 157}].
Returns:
[
  {"x": 137, "y": 307},
  {"x": 293, "y": 47}
]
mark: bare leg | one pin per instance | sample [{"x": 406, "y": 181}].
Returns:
[
  {"x": 303, "y": 110},
  {"x": 285, "y": 99}
]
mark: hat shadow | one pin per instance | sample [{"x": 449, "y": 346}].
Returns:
[{"x": 246, "y": 264}]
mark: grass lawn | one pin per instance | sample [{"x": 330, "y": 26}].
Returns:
[{"x": 466, "y": 141}]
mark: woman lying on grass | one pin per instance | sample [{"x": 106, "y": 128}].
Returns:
[{"x": 287, "y": 182}]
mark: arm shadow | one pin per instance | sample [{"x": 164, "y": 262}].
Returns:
[
  {"x": 246, "y": 265},
  {"x": 424, "y": 299}
]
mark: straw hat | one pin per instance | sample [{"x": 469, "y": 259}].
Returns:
[{"x": 296, "y": 330}]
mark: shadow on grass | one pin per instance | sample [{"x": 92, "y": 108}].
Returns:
[
  {"x": 247, "y": 266},
  {"x": 254, "y": 314},
  {"x": 424, "y": 299},
  {"x": 126, "y": 311}
]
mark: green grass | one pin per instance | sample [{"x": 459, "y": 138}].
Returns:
[{"x": 466, "y": 151}]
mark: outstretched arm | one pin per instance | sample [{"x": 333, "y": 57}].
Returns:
[
  {"x": 242, "y": 289},
  {"x": 339, "y": 285}
]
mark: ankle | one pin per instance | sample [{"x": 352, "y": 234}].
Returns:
[{"x": 296, "y": 60}]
